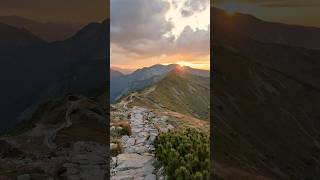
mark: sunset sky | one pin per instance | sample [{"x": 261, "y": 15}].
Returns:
[
  {"x": 301, "y": 12},
  {"x": 148, "y": 32},
  {"x": 82, "y": 11}
]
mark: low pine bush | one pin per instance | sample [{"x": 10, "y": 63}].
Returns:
[{"x": 185, "y": 155}]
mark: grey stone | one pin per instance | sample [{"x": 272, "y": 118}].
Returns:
[
  {"x": 24, "y": 177},
  {"x": 141, "y": 140},
  {"x": 150, "y": 177},
  {"x": 132, "y": 161},
  {"x": 125, "y": 138},
  {"x": 129, "y": 142}
]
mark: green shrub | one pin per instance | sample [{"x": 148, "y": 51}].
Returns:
[
  {"x": 185, "y": 154},
  {"x": 126, "y": 129}
]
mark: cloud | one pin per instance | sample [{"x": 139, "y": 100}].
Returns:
[
  {"x": 186, "y": 13},
  {"x": 192, "y": 6},
  {"x": 135, "y": 25},
  {"x": 194, "y": 42},
  {"x": 140, "y": 29}
]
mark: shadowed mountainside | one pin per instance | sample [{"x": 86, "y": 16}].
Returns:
[
  {"x": 65, "y": 138},
  {"x": 12, "y": 37},
  {"x": 265, "y": 106},
  {"x": 39, "y": 72}
]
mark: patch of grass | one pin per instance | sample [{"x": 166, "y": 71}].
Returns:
[
  {"x": 118, "y": 149},
  {"x": 121, "y": 128},
  {"x": 184, "y": 154}
]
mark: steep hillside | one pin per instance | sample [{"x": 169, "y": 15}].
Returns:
[
  {"x": 266, "y": 98},
  {"x": 180, "y": 92},
  {"x": 65, "y": 138},
  {"x": 37, "y": 73}
]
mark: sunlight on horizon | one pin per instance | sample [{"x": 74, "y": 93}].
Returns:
[
  {"x": 171, "y": 50},
  {"x": 204, "y": 65}
]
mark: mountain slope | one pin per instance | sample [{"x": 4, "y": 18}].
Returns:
[
  {"x": 60, "y": 133},
  {"x": 11, "y": 37},
  {"x": 180, "y": 92},
  {"x": 37, "y": 73},
  {"x": 144, "y": 77},
  {"x": 49, "y": 31},
  {"x": 265, "y": 108},
  {"x": 268, "y": 32},
  {"x": 114, "y": 73}
]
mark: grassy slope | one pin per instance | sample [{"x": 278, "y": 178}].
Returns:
[{"x": 183, "y": 93}]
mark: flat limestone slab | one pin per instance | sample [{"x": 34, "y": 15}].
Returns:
[{"x": 132, "y": 161}]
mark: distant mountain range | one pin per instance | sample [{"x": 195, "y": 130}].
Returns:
[
  {"x": 123, "y": 70},
  {"x": 266, "y": 94},
  {"x": 121, "y": 84},
  {"x": 48, "y": 31},
  {"x": 38, "y": 71}
]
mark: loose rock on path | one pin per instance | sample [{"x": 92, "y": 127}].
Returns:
[{"x": 136, "y": 160}]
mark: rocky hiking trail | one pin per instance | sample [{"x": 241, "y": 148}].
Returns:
[
  {"x": 72, "y": 160},
  {"x": 137, "y": 157}
]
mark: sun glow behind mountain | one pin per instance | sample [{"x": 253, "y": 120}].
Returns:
[
  {"x": 205, "y": 65},
  {"x": 185, "y": 63},
  {"x": 176, "y": 32}
]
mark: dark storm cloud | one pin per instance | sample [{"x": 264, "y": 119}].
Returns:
[{"x": 76, "y": 10}]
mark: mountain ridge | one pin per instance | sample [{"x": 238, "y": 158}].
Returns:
[
  {"x": 144, "y": 77},
  {"x": 178, "y": 92},
  {"x": 48, "y": 31},
  {"x": 265, "y": 31},
  {"x": 12, "y": 37}
]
